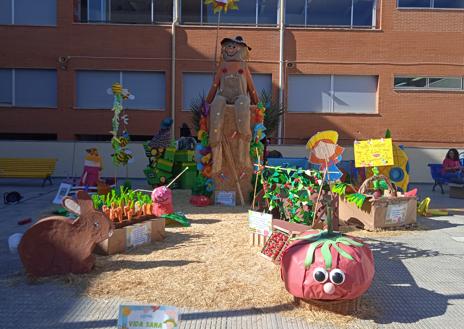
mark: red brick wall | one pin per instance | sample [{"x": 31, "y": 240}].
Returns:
[{"x": 409, "y": 42}]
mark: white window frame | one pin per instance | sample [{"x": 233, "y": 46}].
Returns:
[
  {"x": 427, "y": 84},
  {"x": 108, "y": 14},
  {"x": 430, "y": 7},
  {"x": 121, "y": 81},
  {"x": 373, "y": 25},
  {"x": 255, "y": 24},
  {"x": 332, "y": 101}
]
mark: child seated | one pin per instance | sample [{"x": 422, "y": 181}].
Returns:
[{"x": 452, "y": 169}]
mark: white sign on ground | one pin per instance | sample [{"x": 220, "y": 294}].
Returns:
[{"x": 147, "y": 316}]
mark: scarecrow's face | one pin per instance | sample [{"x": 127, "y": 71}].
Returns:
[{"x": 232, "y": 51}]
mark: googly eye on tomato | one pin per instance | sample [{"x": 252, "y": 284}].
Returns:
[
  {"x": 337, "y": 276},
  {"x": 320, "y": 274}
]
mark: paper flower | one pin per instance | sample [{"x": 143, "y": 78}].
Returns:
[{"x": 222, "y": 5}]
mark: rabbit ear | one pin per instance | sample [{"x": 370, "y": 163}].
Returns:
[
  {"x": 85, "y": 202},
  {"x": 70, "y": 204}
]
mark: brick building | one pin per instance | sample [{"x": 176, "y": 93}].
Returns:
[{"x": 356, "y": 66}]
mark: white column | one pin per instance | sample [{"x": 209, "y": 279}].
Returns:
[
  {"x": 175, "y": 17},
  {"x": 281, "y": 66}
]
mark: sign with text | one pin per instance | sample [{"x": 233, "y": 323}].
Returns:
[
  {"x": 396, "y": 213},
  {"x": 225, "y": 198},
  {"x": 63, "y": 191},
  {"x": 260, "y": 222},
  {"x": 373, "y": 153},
  {"x": 138, "y": 234},
  {"x": 147, "y": 316}
]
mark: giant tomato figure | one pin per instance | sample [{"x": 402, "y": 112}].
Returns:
[{"x": 327, "y": 266}]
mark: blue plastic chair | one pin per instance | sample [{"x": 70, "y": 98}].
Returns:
[{"x": 437, "y": 176}]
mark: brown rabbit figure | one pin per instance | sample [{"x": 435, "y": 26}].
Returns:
[{"x": 59, "y": 245}]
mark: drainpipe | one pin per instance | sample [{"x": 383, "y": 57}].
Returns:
[
  {"x": 175, "y": 17},
  {"x": 281, "y": 65}
]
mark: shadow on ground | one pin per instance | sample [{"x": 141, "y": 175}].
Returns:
[{"x": 396, "y": 295}]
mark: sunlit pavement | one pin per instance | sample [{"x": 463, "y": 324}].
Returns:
[{"x": 419, "y": 279}]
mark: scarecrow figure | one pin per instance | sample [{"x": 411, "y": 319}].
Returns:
[{"x": 233, "y": 85}]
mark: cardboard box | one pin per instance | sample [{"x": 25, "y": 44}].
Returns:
[
  {"x": 132, "y": 236},
  {"x": 381, "y": 213},
  {"x": 114, "y": 244}
]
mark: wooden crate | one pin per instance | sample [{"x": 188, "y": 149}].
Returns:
[{"x": 287, "y": 229}]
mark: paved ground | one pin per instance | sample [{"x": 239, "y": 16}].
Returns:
[{"x": 419, "y": 281}]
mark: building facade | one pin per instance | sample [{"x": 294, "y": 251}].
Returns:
[{"x": 356, "y": 66}]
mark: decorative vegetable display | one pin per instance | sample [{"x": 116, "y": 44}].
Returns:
[
  {"x": 124, "y": 205},
  {"x": 274, "y": 245},
  {"x": 290, "y": 190},
  {"x": 327, "y": 265}
]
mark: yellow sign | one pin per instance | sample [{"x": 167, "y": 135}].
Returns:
[{"x": 373, "y": 153}]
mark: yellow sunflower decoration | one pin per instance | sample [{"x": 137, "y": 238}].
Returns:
[{"x": 222, "y": 5}]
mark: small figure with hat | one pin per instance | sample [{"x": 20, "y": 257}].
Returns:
[
  {"x": 92, "y": 168},
  {"x": 232, "y": 84}
]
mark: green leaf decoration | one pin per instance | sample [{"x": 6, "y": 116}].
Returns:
[
  {"x": 388, "y": 134},
  {"x": 342, "y": 252},
  {"x": 356, "y": 198},
  {"x": 310, "y": 253},
  {"x": 178, "y": 217},
  {"x": 383, "y": 185},
  {"x": 325, "y": 239},
  {"x": 340, "y": 188},
  {"x": 325, "y": 250}
]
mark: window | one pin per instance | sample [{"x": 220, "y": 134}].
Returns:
[
  {"x": 332, "y": 93},
  {"x": 438, "y": 4},
  {"x": 28, "y": 12},
  {"x": 429, "y": 83},
  {"x": 251, "y": 12},
  {"x": 194, "y": 85},
  {"x": 6, "y": 87},
  {"x": 28, "y": 88},
  {"x": 126, "y": 11},
  {"x": 331, "y": 13},
  {"x": 149, "y": 89}
]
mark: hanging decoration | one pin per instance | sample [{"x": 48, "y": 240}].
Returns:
[
  {"x": 122, "y": 154},
  {"x": 222, "y": 5}
]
